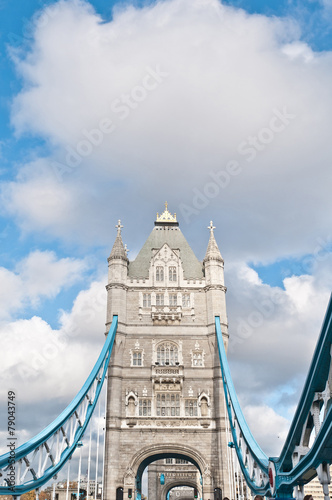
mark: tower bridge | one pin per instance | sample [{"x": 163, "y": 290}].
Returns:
[{"x": 171, "y": 405}]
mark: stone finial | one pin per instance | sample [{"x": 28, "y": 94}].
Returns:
[
  {"x": 212, "y": 252},
  {"x": 119, "y": 251},
  {"x": 211, "y": 226},
  {"x": 119, "y": 226}
]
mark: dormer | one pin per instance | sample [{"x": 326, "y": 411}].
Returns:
[{"x": 166, "y": 267}]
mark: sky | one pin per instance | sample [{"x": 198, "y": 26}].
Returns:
[{"x": 108, "y": 109}]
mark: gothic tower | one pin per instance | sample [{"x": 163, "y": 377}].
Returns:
[{"x": 165, "y": 396}]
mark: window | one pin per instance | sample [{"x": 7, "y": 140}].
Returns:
[
  {"x": 159, "y": 273},
  {"x": 167, "y": 354},
  {"x": 186, "y": 300},
  {"x": 180, "y": 461},
  {"x": 146, "y": 299},
  {"x": 173, "y": 299},
  {"x": 197, "y": 359},
  {"x": 172, "y": 273},
  {"x": 145, "y": 407},
  {"x": 191, "y": 408},
  {"x": 168, "y": 405},
  {"x": 169, "y": 460},
  {"x": 137, "y": 358},
  {"x": 159, "y": 299}
]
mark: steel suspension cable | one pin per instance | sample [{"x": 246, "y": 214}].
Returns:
[
  {"x": 89, "y": 462},
  {"x": 227, "y": 448},
  {"x": 97, "y": 450},
  {"x": 79, "y": 473},
  {"x": 68, "y": 478},
  {"x": 104, "y": 447}
]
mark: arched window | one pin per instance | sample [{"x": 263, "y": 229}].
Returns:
[
  {"x": 159, "y": 273},
  {"x": 172, "y": 273},
  {"x": 167, "y": 354}
]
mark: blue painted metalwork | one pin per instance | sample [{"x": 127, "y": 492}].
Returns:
[
  {"x": 306, "y": 452},
  {"x": 55, "y": 445},
  {"x": 299, "y": 459},
  {"x": 252, "y": 459},
  {"x": 308, "y": 448}
]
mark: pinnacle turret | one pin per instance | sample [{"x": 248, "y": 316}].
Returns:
[
  {"x": 118, "y": 250},
  {"x": 212, "y": 251}
]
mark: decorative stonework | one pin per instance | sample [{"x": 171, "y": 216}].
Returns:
[
  {"x": 137, "y": 355},
  {"x": 166, "y": 216},
  {"x": 131, "y": 394},
  {"x": 197, "y": 356},
  {"x": 168, "y": 359},
  {"x": 166, "y": 407}
]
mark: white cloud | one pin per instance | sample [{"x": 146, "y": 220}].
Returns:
[
  {"x": 271, "y": 428},
  {"x": 55, "y": 356},
  {"x": 46, "y": 367},
  {"x": 227, "y": 73},
  {"x": 38, "y": 276},
  {"x": 273, "y": 333},
  {"x": 298, "y": 50}
]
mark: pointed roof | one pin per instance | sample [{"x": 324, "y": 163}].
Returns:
[
  {"x": 118, "y": 250},
  {"x": 166, "y": 230},
  {"x": 212, "y": 251}
]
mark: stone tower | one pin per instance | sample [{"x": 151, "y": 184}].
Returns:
[{"x": 165, "y": 396}]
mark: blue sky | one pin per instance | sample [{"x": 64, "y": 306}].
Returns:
[{"x": 237, "y": 130}]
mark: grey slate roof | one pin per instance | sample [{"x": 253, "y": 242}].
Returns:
[{"x": 192, "y": 267}]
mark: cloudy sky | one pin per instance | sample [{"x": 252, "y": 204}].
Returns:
[{"x": 110, "y": 108}]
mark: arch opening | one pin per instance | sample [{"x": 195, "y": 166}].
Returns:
[
  {"x": 183, "y": 495},
  {"x": 151, "y": 454},
  {"x": 163, "y": 455}
]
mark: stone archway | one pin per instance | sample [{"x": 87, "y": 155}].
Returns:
[{"x": 147, "y": 455}]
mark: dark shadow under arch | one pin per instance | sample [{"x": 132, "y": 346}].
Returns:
[{"x": 161, "y": 456}]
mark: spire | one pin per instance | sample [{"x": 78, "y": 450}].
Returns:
[
  {"x": 212, "y": 252},
  {"x": 118, "y": 250}
]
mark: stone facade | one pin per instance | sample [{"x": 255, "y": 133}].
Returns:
[{"x": 165, "y": 396}]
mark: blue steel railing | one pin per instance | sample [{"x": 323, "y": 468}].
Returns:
[
  {"x": 42, "y": 457},
  {"x": 252, "y": 460},
  {"x": 309, "y": 441},
  {"x": 307, "y": 451}
]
